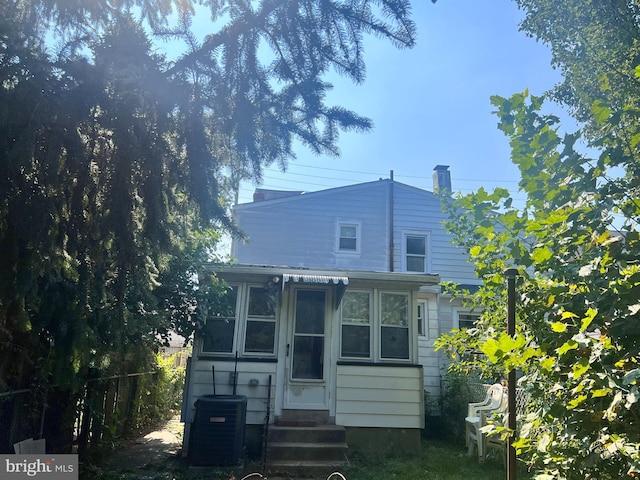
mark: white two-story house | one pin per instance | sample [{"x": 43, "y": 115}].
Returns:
[{"x": 336, "y": 302}]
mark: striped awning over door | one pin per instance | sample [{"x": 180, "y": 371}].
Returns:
[{"x": 339, "y": 281}]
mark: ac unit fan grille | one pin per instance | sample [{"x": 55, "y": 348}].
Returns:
[{"x": 218, "y": 430}]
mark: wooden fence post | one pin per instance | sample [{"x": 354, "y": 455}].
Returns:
[{"x": 85, "y": 425}]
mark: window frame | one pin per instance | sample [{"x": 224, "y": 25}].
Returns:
[
  {"x": 246, "y": 318},
  {"x": 242, "y": 319},
  {"x": 406, "y": 327},
  {"x": 369, "y": 324},
  {"x": 422, "y": 318},
  {"x": 427, "y": 250},
  {"x": 462, "y": 311},
  {"x": 358, "y": 229},
  {"x": 234, "y": 344}
]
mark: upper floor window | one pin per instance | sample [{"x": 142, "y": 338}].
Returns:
[
  {"x": 356, "y": 322},
  {"x": 348, "y": 237},
  {"x": 415, "y": 249}
]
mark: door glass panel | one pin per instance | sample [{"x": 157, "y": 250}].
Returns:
[
  {"x": 307, "y": 357},
  {"x": 310, "y": 312},
  {"x": 308, "y": 342}
]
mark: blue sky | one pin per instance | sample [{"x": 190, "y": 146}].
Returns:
[{"x": 430, "y": 104}]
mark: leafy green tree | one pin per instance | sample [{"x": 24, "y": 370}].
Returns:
[
  {"x": 595, "y": 46},
  {"x": 119, "y": 163},
  {"x": 577, "y": 246}
]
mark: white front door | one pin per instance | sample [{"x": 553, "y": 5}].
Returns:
[{"x": 308, "y": 351}]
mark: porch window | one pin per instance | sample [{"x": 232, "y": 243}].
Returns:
[
  {"x": 394, "y": 325},
  {"x": 422, "y": 318},
  {"x": 356, "y": 322},
  {"x": 416, "y": 253},
  {"x": 348, "y": 237},
  {"x": 261, "y": 321},
  {"x": 220, "y": 326},
  {"x": 467, "y": 320}
]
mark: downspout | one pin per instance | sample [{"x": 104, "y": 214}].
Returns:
[{"x": 391, "y": 221}]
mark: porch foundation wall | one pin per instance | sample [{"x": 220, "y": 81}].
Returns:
[
  {"x": 369, "y": 440},
  {"x": 253, "y": 440}
]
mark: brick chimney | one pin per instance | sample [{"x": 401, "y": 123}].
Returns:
[{"x": 441, "y": 178}]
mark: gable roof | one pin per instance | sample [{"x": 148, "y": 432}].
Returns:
[{"x": 293, "y": 196}]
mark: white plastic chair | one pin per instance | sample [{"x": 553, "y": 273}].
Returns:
[
  {"x": 492, "y": 400},
  {"x": 475, "y": 425},
  {"x": 496, "y": 442},
  {"x": 474, "y": 410}
]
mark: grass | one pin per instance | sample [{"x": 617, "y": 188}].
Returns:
[{"x": 437, "y": 461}]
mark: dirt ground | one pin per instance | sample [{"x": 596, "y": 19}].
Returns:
[
  {"x": 160, "y": 453},
  {"x": 145, "y": 452}
]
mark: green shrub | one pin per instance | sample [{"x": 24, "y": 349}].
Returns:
[
  {"x": 457, "y": 391},
  {"x": 161, "y": 394}
]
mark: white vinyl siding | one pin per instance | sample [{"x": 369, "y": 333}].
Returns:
[
  {"x": 302, "y": 230},
  {"x": 248, "y": 373},
  {"x": 379, "y": 396},
  {"x": 419, "y": 212},
  {"x": 430, "y": 360}
]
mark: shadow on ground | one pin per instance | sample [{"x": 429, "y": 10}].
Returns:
[{"x": 158, "y": 456}]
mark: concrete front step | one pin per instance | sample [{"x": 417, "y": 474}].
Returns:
[
  {"x": 320, "y": 452},
  {"x": 304, "y": 469},
  {"x": 306, "y": 450},
  {"x": 304, "y": 418},
  {"x": 317, "y": 434}
]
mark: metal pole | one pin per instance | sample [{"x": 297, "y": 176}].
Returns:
[
  {"x": 265, "y": 433},
  {"x": 511, "y": 274}
]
